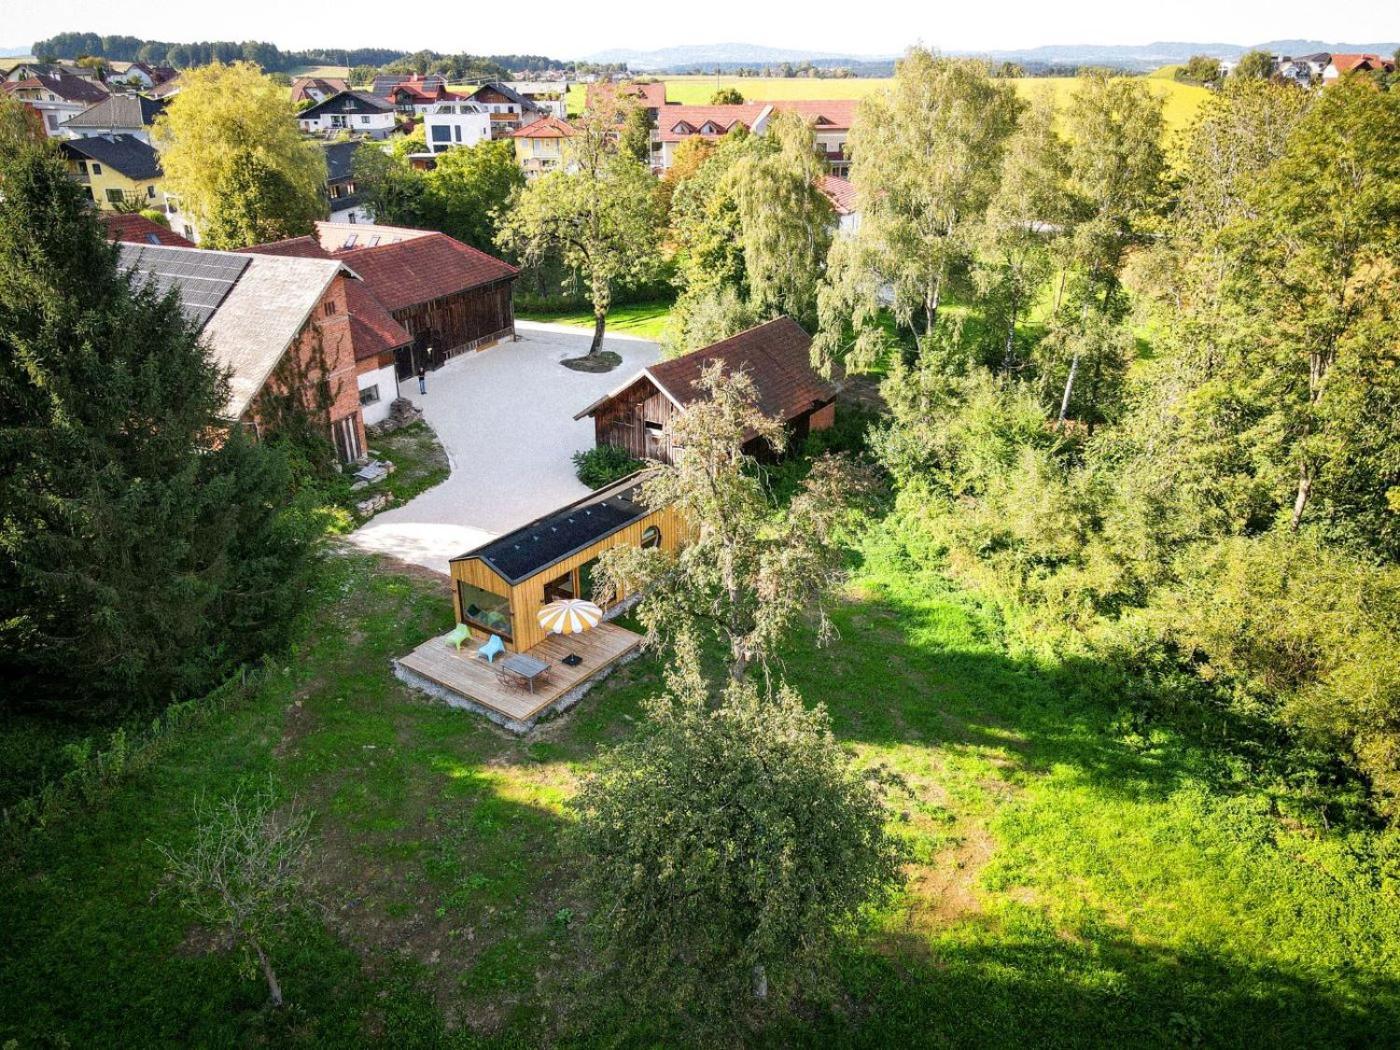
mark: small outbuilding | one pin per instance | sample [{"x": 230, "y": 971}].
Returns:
[
  {"x": 499, "y": 587},
  {"x": 776, "y": 356}
]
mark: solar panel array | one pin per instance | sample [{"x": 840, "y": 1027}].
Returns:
[
  {"x": 522, "y": 553},
  {"x": 203, "y": 279}
]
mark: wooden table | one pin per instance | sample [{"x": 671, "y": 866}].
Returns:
[{"x": 526, "y": 666}]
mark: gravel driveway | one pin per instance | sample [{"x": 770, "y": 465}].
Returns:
[{"x": 506, "y": 418}]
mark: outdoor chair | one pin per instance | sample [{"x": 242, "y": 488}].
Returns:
[
  {"x": 493, "y": 648},
  {"x": 459, "y": 634}
]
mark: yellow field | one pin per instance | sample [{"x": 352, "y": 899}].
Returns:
[
  {"x": 319, "y": 71},
  {"x": 1182, "y": 100}
]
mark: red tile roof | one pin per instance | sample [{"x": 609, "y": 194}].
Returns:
[
  {"x": 830, "y": 115},
  {"x": 652, "y": 96},
  {"x": 778, "y": 358},
  {"x": 306, "y": 247},
  {"x": 681, "y": 122},
  {"x": 137, "y": 229},
  {"x": 327, "y": 86},
  {"x": 840, "y": 192},
  {"x": 1347, "y": 63},
  {"x": 423, "y": 269},
  {"x": 545, "y": 128}
]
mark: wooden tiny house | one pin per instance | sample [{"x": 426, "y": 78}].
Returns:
[
  {"x": 637, "y": 415},
  {"x": 499, "y": 587}
]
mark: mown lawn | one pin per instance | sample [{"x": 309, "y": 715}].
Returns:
[
  {"x": 645, "y": 320},
  {"x": 1078, "y": 881}
]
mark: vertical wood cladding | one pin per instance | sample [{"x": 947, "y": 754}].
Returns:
[{"x": 461, "y": 321}]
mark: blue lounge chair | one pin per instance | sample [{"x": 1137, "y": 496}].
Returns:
[{"x": 493, "y": 648}]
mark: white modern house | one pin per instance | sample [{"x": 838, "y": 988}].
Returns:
[
  {"x": 349, "y": 111},
  {"x": 117, "y": 115},
  {"x": 460, "y": 123}
]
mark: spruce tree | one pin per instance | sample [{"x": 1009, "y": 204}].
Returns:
[{"x": 121, "y": 559}]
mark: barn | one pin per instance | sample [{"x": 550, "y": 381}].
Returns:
[{"x": 636, "y": 416}]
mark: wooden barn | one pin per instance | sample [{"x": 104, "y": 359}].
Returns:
[
  {"x": 448, "y": 296},
  {"x": 498, "y": 588},
  {"x": 636, "y": 416}
]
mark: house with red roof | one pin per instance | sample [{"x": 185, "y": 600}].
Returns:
[
  {"x": 842, "y": 196},
  {"x": 777, "y": 356},
  {"x": 317, "y": 89},
  {"x": 422, "y": 298},
  {"x": 1356, "y": 63},
  {"x": 56, "y": 97},
  {"x": 539, "y": 145},
  {"x": 650, "y": 96},
  {"x": 830, "y": 122},
  {"x": 134, "y": 228}
]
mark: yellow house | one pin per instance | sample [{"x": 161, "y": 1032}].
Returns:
[
  {"x": 539, "y": 146},
  {"x": 117, "y": 171}
]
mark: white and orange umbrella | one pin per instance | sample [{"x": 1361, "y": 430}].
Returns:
[{"x": 570, "y": 616}]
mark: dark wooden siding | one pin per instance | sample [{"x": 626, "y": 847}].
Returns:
[
  {"x": 623, "y": 422},
  {"x": 459, "y": 322}
]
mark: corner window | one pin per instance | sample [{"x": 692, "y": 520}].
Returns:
[
  {"x": 369, "y": 395},
  {"x": 651, "y": 537},
  {"x": 490, "y": 612}
]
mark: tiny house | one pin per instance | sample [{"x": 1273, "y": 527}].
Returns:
[{"x": 499, "y": 587}]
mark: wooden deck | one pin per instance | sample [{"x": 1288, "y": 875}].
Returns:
[{"x": 462, "y": 674}]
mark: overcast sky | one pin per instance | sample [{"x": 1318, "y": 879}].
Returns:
[{"x": 571, "y": 29}]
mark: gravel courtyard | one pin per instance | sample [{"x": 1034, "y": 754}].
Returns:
[{"x": 506, "y": 419}]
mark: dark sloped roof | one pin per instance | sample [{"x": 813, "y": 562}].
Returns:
[
  {"x": 535, "y": 546},
  {"x": 424, "y": 268},
  {"x": 776, "y": 356},
  {"x": 118, "y": 111},
  {"x": 137, "y": 229},
  {"x": 346, "y": 102},
  {"x": 203, "y": 279},
  {"x": 340, "y": 158},
  {"x": 124, "y": 153},
  {"x": 71, "y": 88}
]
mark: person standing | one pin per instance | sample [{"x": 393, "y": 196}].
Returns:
[{"x": 422, "y": 380}]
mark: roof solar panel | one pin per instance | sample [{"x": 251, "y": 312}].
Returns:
[{"x": 202, "y": 279}]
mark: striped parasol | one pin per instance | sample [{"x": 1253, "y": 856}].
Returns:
[{"x": 570, "y": 616}]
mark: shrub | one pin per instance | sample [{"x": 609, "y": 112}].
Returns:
[{"x": 597, "y": 467}]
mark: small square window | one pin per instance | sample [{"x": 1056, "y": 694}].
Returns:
[
  {"x": 369, "y": 395},
  {"x": 96, "y": 168}
]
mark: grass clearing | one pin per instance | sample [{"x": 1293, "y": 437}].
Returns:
[
  {"x": 1077, "y": 880},
  {"x": 644, "y": 320}
]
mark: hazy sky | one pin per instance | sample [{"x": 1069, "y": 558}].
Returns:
[{"x": 570, "y": 28}]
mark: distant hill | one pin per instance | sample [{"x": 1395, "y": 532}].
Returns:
[{"x": 1140, "y": 58}]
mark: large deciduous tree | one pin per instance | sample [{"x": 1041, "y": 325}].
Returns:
[
  {"x": 233, "y": 155},
  {"x": 926, "y": 160},
  {"x": 470, "y": 188},
  {"x": 746, "y": 573},
  {"x": 597, "y": 215}
]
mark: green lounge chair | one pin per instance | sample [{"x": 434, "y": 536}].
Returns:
[{"x": 460, "y": 634}]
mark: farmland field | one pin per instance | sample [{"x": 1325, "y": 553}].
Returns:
[{"x": 1182, "y": 100}]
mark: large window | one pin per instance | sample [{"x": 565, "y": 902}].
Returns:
[
  {"x": 585, "y": 579},
  {"x": 490, "y": 612},
  {"x": 563, "y": 587}
]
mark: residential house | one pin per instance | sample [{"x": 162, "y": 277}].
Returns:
[
  {"x": 636, "y": 415},
  {"x": 1303, "y": 70},
  {"x": 25, "y": 70},
  {"x": 317, "y": 89},
  {"x": 384, "y": 81},
  {"x": 118, "y": 171},
  {"x": 650, "y": 96},
  {"x": 134, "y": 228},
  {"x": 550, "y": 96},
  {"x": 678, "y": 123},
  {"x": 539, "y": 145},
  {"x": 350, "y": 111},
  {"x": 139, "y": 75},
  {"x": 166, "y": 88},
  {"x": 417, "y": 95},
  {"x": 447, "y": 297},
  {"x": 842, "y": 196},
  {"x": 116, "y": 115},
  {"x": 455, "y": 123},
  {"x": 56, "y": 98},
  {"x": 341, "y": 191},
  {"x": 277, "y": 325},
  {"x": 507, "y": 108},
  {"x": 1344, "y": 64},
  {"x": 830, "y": 121}
]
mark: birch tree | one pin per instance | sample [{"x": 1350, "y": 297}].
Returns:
[{"x": 926, "y": 156}]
